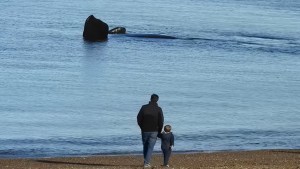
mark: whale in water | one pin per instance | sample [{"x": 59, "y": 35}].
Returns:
[{"x": 97, "y": 30}]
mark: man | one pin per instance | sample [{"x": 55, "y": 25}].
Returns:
[{"x": 151, "y": 120}]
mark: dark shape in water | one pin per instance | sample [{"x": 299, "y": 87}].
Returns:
[{"x": 95, "y": 29}]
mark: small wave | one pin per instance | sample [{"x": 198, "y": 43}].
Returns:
[
  {"x": 264, "y": 36},
  {"x": 131, "y": 144},
  {"x": 247, "y": 41}
]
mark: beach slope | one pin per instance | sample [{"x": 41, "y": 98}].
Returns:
[{"x": 263, "y": 159}]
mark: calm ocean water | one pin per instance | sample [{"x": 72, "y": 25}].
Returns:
[{"x": 230, "y": 82}]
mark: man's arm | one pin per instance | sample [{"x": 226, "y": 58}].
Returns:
[
  {"x": 160, "y": 121},
  {"x": 140, "y": 117}
]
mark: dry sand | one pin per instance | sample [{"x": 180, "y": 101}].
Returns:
[{"x": 271, "y": 159}]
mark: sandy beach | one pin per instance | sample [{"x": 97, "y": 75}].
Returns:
[{"x": 263, "y": 159}]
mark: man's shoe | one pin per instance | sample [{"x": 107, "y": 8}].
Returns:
[{"x": 147, "y": 166}]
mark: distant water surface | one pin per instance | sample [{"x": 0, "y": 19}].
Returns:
[{"x": 229, "y": 82}]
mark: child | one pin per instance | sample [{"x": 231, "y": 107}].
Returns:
[{"x": 167, "y": 141}]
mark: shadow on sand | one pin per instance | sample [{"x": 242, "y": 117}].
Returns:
[{"x": 84, "y": 164}]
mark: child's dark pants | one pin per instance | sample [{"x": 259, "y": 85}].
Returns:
[{"x": 167, "y": 154}]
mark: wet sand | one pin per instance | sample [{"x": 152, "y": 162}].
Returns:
[{"x": 264, "y": 159}]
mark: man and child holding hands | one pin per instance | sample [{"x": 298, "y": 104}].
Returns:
[{"x": 151, "y": 119}]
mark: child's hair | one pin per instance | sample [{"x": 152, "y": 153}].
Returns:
[{"x": 167, "y": 128}]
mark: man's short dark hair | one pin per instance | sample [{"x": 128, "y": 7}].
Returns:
[{"x": 154, "y": 97}]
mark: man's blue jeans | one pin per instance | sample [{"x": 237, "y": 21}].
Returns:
[{"x": 149, "y": 140}]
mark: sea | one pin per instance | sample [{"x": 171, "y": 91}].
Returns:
[{"x": 230, "y": 81}]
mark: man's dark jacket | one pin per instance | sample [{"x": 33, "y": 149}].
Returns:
[{"x": 150, "y": 118}]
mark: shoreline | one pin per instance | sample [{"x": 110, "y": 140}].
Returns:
[
  {"x": 254, "y": 159},
  {"x": 132, "y": 154},
  {"x": 137, "y": 153}
]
